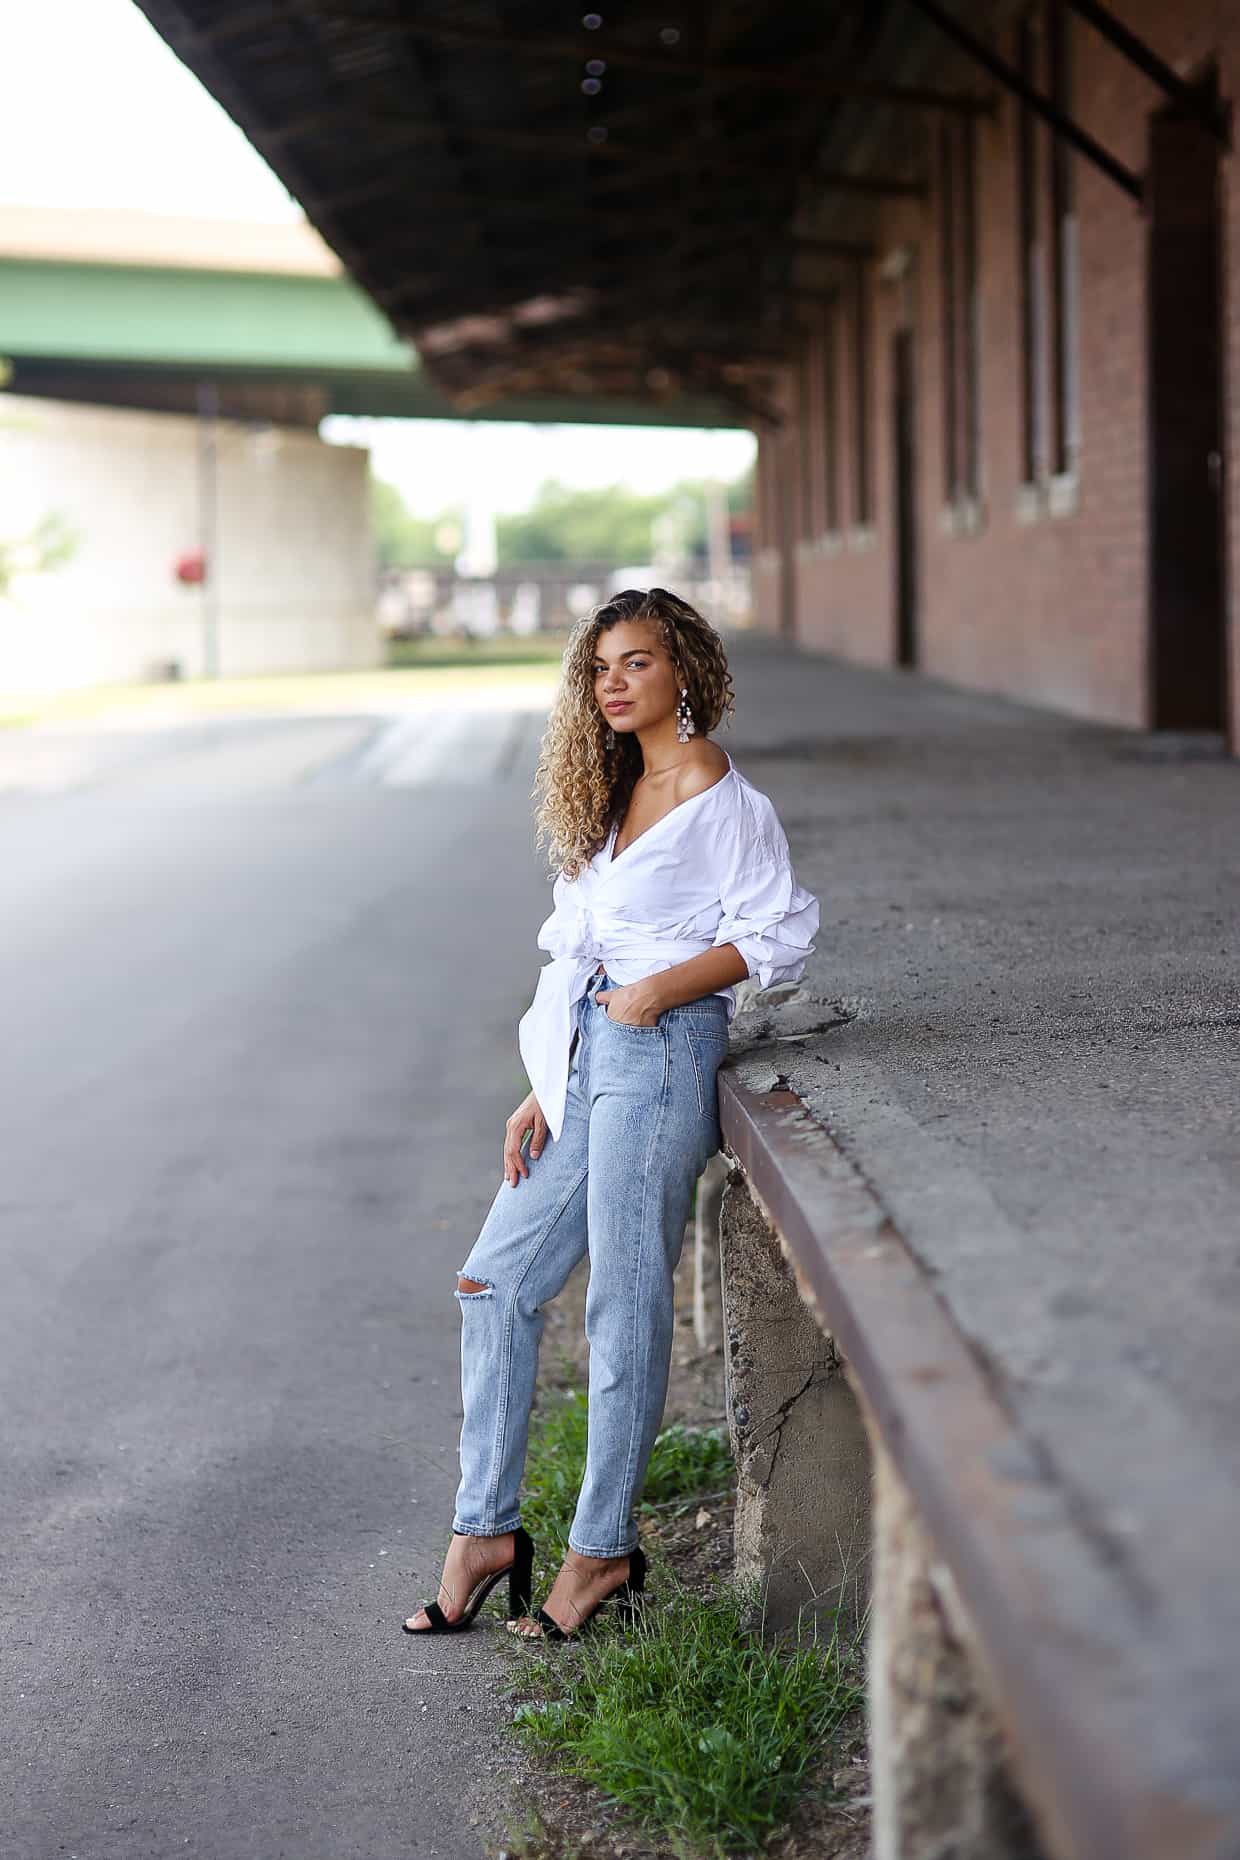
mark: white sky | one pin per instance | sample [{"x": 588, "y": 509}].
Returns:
[
  {"x": 96, "y": 111},
  {"x": 501, "y": 463}
]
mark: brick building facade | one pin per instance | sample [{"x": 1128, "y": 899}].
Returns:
[{"x": 1002, "y": 453}]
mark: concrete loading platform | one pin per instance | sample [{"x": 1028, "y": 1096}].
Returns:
[{"x": 993, "y": 1143}]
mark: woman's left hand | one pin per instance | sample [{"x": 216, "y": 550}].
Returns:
[{"x": 633, "y": 1006}]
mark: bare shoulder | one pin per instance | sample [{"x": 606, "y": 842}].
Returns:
[{"x": 708, "y": 766}]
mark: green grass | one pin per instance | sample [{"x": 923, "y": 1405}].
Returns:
[
  {"x": 693, "y": 1726},
  {"x": 501, "y": 649},
  {"x": 688, "y": 1722},
  {"x": 686, "y": 1463}
]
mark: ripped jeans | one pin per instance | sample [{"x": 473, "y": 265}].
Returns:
[{"x": 640, "y": 1124}]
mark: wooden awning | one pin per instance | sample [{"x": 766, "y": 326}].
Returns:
[{"x": 632, "y": 207}]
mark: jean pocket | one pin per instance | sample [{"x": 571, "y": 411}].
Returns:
[
  {"x": 708, "y": 1045},
  {"x": 632, "y": 1026}
]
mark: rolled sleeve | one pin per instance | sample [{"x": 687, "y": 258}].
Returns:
[{"x": 769, "y": 916}]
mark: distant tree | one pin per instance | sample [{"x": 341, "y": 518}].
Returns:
[
  {"x": 610, "y": 525},
  {"x": 605, "y": 524},
  {"x": 401, "y": 539},
  {"x": 49, "y": 544}
]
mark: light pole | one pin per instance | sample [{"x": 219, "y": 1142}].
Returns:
[{"x": 208, "y": 398}]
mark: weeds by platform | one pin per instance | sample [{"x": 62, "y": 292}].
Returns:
[
  {"x": 686, "y": 1463},
  {"x": 690, "y": 1726},
  {"x": 688, "y": 1721}
]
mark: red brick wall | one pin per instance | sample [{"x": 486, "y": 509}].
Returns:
[{"x": 1051, "y": 609}]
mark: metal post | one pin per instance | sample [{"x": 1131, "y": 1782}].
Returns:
[
  {"x": 208, "y": 400},
  {"x": 1011, "y": 79},
  {"x": 1198, "y": 100}
]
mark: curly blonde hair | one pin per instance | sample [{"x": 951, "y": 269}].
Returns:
[{"x": 587, "y": 772}]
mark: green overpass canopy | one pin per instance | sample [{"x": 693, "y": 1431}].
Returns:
[{"x": 139, "y": 310}]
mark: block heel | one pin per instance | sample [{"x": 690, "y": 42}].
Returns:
[
  {"x": 521, "y": 1577},
  {"x": 629, "y": 1600},
  {"x": 520, "y": 1574}
]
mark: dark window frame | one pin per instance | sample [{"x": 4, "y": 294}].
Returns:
[
  {"x": 863, "y": 486},
  {"x": 1032, "y": 304},
  {"x": 1062, "y": 216},
  {"x": 947, "y": 291},
  {"x": 805, "y": 446},
  {"x": 970, "y": 312},
  {"x": 831, "y": 417},
  {"x": 959, "y": 274}
]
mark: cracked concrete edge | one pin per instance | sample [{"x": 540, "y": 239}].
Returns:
[
  {"x": 940, "y": 1760},
  {"x": 1072, "y": 1662},
  {"x": 798, "y": 1440},
  {"x": 975, "y": 1259}
]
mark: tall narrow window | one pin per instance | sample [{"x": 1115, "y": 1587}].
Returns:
[
  {"x": 970, "y": 409},
  {"x": 958, "y": 274},
  {"x": 1063, "y": 252},
  {"x": 948, "y": 292},
  {"x": 862, "y": 495},
  {"x": 1032, "y": 309},
  {"x": 831, "y": 416},
  {"x": 805, "y": 454}
]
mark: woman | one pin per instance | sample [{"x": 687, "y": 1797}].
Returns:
[{"x": 675, "y": 883}]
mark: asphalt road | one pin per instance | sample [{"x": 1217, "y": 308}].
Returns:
[{"x": 258, "y": 990}]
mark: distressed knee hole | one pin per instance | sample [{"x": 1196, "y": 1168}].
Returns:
[{"x": 472, "y": 1288}]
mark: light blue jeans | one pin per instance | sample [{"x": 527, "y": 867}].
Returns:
[{"x": 640, "y": 1125}]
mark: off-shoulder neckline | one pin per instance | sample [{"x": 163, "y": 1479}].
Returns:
[{"x": 609, "y": 859}]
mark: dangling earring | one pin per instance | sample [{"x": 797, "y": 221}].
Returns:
[
  {"x": 611, "y": 737},
  {"x": 685, "y": 726}
]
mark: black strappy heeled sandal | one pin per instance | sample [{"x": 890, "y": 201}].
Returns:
[
  {"x": 629, "y": 1598},
  {"x": 520, "y": 1574}
]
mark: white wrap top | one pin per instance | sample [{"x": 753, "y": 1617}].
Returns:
[{"x": 714, "y": 869}]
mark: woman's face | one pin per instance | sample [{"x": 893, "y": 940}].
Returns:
[{"x": 634, "y": 677}]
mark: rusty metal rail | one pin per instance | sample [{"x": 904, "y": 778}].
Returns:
[{"x": 1067, "y": 1636}]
